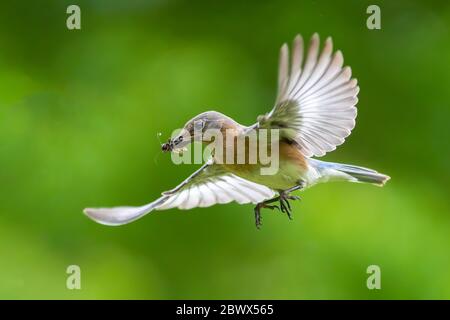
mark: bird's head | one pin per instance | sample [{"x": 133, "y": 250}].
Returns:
[{"x": 195, "y": 128}]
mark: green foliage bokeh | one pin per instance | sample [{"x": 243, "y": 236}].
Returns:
[{"x": 79, "y": 115}]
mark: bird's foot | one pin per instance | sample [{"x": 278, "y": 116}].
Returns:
[
  {"x": 258, "y": 207},
  {"x": 285, "y": 205}
]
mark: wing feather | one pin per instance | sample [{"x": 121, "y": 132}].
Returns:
[
  {"x": 207, "y": 186},
  {"x": 316, "y": 100}
]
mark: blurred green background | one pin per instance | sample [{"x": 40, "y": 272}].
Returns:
[{"x": 79, "y": 115}]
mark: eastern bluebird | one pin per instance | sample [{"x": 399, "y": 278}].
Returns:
[{"x": 314, "y": 112}]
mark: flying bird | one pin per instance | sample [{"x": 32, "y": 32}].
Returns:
[{"x": 315, "y": 110}]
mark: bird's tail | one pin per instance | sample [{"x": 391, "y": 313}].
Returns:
[{"x": 339, "y": 171}]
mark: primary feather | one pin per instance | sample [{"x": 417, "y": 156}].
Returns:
[
  {"x": 207, "y": 186},
  {"x": 316, "y": 100}
]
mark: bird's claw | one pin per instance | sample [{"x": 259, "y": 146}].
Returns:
[
  {"x": 285, "y": 205},
  {"x": 271, "y": 207},
  {"x": 258, "y": 207},
  {"x": 258, "y": 216}
]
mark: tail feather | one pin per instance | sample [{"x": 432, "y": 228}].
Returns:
[
  {"x": 364, "y": 175},
  {"x": 340, "y": 171}
]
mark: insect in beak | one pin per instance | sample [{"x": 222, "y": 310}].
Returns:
[
  {"x": 168, "y": 146},
  {"x": 171, "y": 145}
]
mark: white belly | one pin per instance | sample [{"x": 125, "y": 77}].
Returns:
[{"x": 288, "y": 175}]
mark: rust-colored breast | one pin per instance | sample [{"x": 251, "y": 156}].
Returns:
[{"x": 291, "y": 152}]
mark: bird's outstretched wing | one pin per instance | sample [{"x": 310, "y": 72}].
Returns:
[
  {"x": 316, "y": 98},
  {"x": 207, "y": 186}
]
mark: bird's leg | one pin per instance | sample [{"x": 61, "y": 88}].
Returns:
[{"x": 283, "y": 198}]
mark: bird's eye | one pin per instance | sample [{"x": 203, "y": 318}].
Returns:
[{"x": 199, "y": 125}]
